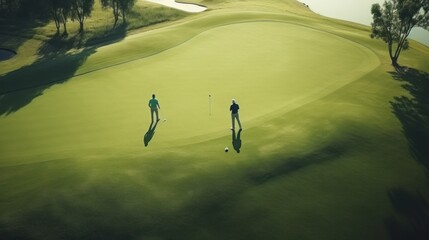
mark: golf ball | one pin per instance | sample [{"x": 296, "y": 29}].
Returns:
[
  {"x": 165, "y": 119},
  {"x": 226, "y": 149}
]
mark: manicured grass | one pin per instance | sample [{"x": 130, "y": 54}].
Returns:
[
  {"x": 323, "y": 154},
  {"x": 253, "y": 70}
]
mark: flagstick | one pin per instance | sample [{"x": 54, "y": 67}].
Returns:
[{"x": 210, "y": 105}]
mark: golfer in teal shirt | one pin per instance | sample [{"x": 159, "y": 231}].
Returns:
[{"x": 154, "y": 106}]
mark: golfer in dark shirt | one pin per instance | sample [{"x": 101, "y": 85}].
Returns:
[{"x": 234, "y": 114}]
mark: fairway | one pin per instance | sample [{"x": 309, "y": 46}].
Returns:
[
  {"x": 333, "y": 144},
  {"x": 264, "y": 65}
]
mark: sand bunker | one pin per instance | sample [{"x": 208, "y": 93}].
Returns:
[{"x": 187, "y": 7}]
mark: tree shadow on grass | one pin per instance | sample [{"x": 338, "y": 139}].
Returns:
[
  {"x": 413, "y": 112},
  {"x": 20, "y": 87},
  {"x": 212, "y": 210},
  {"x": 98, "y": 214},
  {"x": 14, "y": 31},
  {"x": 118, "y": 207},
  {"x": 412, "y": 212},
  {"x": 412, "y": 216},
  {"x": 56, "y": 65},
  {"x": 294, "y": 164}
]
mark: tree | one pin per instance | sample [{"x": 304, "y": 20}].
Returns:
[
  {"x": 394, "y": 21},
  {"x": 125, "y": 6},
  {"x": 65, "y": 13},
  {"x": 9, "y": 6},
  {"x": 60, "y": 11},
  {"x": 4, "y": 5},
  {"x": 115, "y": 8},
  {"x": 27, "y": 10},
  {"x": 81, "y": 9},
  {"x": 119, "y": 7},
  {"x": 55, "y": 12}
]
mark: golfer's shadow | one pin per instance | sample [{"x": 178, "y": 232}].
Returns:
[
  {"x": 149, "y": 134},
  {"x": 236, "y": 140}
]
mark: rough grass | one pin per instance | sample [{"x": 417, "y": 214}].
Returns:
[{"x": 98, "y": 28}]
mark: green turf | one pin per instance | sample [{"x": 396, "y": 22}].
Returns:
[{"x": 323, "y": 155}]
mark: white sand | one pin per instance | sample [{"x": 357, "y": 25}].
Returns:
[{"x": 187, "y": 7}]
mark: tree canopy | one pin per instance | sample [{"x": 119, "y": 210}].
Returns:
[
  {"x": 60, "y": 11},
  {"x": 394, "y": 21}
]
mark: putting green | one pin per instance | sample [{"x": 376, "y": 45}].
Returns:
[{"x": 269, "y": 67}]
